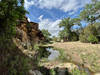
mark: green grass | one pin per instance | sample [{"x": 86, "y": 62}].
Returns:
[
  {"x": 63, "y": 56},
  {"x": 78, "y": 72}
]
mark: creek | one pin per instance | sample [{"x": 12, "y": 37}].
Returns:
[{"x": 54, "y": 54}]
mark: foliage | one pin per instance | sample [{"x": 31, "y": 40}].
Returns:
[
  {"x": 14, "y": 62},
  {"x": 46, "y": 35},
  {"x": 36, "y": 47},
  {"x": 92, "y": 39},
  {"x": 90, "y": 13},
  {"x": 24, "y": 67},
  {"x": 97, "y": 25},
  {"x": 78, "y": 72},
  {"x": 52, "y": 72},
  {"x": 89, "y": 30},
  {"x": 67, "y": 25},
  {"x": 10, "y": 13},
  {"x": 74, "y": 37},
  {"x": 56, "y": 39},
  {"x": 63, "y": 57},
  {"x": 83, "y": 38}
]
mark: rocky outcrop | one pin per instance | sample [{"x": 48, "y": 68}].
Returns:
[{"x": 28, "y": 34}]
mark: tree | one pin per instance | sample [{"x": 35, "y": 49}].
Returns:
[
  {"x": 10, "y": 13},
  {"x": 87, "y": 32},
  {"x": 67, "y": 25},
  {"x": 46, "y": 35},
  {"x": 91, "y": 15},
  {"x": 97, "y": 25},
  {"x": 91, "y": 12}
]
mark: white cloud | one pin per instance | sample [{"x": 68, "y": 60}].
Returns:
[
  {"x": 41, "y": 17},
  {"x": 64, "y": 5},
  {"x": 51, "y": 26},
  {"x": 27, "y": 4},
  {"x": 29, "y": 19}
]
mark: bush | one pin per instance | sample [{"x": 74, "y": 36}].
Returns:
[
  {"x": 92, "y": 39},
  {"x": 36, "y": 47},
  {"x": 74, "y": 37},
  {"x": 83, "y": 38},
  {"x": 88, "y": 31},
  {"x": 78, "y": 72},
  {"x": 52, "y": 72}
]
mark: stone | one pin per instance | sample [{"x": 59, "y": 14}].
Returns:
[
  {"x": 28, "y": 33},
  {"x": 97, "y": 74}
]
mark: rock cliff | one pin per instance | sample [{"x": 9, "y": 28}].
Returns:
[{"x": 28, "y": 34}]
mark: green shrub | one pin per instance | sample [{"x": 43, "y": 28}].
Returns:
[
  {"x": 74, "y": 37},
  {"x": 88, "y": 31},
  {"x": 92, "y": 39},
  {"x": 52, "y": 72},
  {"x": 63, "y": 57},
  {"x": 18, "y": 66},
  {"x": 83, "y": 38},
  {"x": 36, "y": 47},
  {"x": 78, "y": 72}
]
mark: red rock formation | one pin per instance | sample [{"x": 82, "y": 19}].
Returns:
[{"x": 28, "y": 33}]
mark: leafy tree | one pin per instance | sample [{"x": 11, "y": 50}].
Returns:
[
  {"x": 67, "y": 24},
  {"x": 97, "y": 25},
  {"x": 87, "y": 32},
  {"x": 91, "y": 12},
  {"x": 10, "y": 12},
  {"x": 46, "y": 34},
  {"x": 91, "y": 15},
  {"x": 56, "y": 39},
  {"x": 92, "y": 39}
]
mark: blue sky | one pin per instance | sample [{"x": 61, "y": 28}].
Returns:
[{"x": 48, "y": 13}]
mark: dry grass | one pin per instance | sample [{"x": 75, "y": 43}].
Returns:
[{"x": 82, "y": 53}]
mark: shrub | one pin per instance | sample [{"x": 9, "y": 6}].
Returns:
[
  {"x": 36, "y": 47},
  {"x": 83, "y": 38},
  {"x": 52, "y": 72},
  {"x": 74, "y": 37},
  {"x": 88, "y": 31},
  {"x": 92, "y": 39},
  {"x": 78, "y": 72}
]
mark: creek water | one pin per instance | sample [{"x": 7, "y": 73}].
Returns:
[{"x": 53, "y": 54}]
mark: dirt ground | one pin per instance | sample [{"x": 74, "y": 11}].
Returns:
[{"x": 82, "y": 53}]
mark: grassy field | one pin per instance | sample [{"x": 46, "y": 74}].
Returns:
[{"x": 82, "y": 53}]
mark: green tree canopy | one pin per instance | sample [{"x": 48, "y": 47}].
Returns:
[
  {"x": 46, "y": 34},
  {"x": 91, "y": 12},
  {"x": 67, "y": 25},
  {"x": 11, "y": 11}
]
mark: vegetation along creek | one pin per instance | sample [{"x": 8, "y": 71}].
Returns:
[
  {"x": 53, "y": 64},
  {"x": 49, "y": 37}
]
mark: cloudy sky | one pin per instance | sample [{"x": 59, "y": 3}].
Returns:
[{"x": 48, "y": 13}]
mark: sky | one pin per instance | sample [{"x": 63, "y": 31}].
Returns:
[{"x": 49, "y": 13}]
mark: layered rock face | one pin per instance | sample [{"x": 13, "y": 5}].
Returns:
[{"x": 28, "y": 34}]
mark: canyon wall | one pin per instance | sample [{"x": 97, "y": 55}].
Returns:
[{"x": 28, "y": 34}]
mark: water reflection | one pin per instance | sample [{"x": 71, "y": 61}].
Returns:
[{"x": 54, "y": 54}]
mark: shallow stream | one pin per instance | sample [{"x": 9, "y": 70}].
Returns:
[{"x": 54, "y": 54}]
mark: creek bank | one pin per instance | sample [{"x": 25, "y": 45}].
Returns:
[
  {"x": 52, "y": 62},
  {"x": 82, "y": 53}
]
